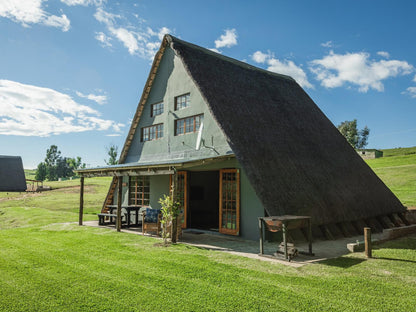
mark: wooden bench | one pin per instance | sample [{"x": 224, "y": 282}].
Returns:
[{"x": 103, "y": 216}]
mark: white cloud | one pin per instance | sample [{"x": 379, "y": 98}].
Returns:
[
  {"x": 414, "y": 78},
  {"x": 138, "y": 42},
  {"x": 103, "y": 38},
  {"x": 260, "y": 57},
  {"x": 29, "y": 12},
  {"x": 411, "y": 91},
  {"x": 384, "y": 54},
  {"x": 328, "y": 44},
  {"x": 227, "y": 40},
  {"x": 82, "y": 2},
  {"x": 285, "y": 67},
  {"x": 99, "y": 99},
  {"x": 29, "y": 110},
  {"x": 215, "y": 50},
  {"x": 336, "y": 70}
]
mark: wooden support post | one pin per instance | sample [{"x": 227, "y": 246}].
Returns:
[
  {"x": 81, "y": 201},
  {"x": 284, "y": 231},
  {"x": 367, "y": 242},
  {"x": 119, "y": 199},
  {"x": 174, "y": 227},
  {"x": 261, "y": 236}
]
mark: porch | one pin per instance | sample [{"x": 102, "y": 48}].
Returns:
[
  {"x": 208, "y": 191},
  {"x": 323, "y": 249}
]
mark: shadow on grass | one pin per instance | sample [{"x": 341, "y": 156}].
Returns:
[
  {"x": 342, "y": 262},
  {"x": 394, "y": 259}
]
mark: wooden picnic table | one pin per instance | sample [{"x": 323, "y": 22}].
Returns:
[
  {"x": 285, "y": 223},
  {"x": 129, "y": 209}
]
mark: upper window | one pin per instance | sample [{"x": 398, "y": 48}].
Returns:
[
  {"x": 152, "y": 133},
  {"x": 188, "y": 124},
  {"x": 156, "y": 109},
  {"x": 182, "y": 101}
]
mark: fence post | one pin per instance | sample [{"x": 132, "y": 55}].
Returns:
[
  {"x": 367, "y": 242},
  {"x": 81, "y": 201}
]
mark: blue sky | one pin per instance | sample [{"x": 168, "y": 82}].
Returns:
[{"x": 72, "y": 71}]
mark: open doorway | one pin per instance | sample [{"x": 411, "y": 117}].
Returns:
[{"x": 203, "y": 210}]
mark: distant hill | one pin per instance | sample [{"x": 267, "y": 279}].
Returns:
[
  {"x": 30, "y": 173},
  {"x": 399, "y": 151}
]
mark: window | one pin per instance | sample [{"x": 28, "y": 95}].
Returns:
[
  {"x": 139, "y": 191},
  {"x": 182, "y": 101},
  {"x": 152, "y": 133},
  {"x": 156, "y": 109},
  {"x": 188, "y": 124}
]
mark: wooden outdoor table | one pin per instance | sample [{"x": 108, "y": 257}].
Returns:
[
  {"x": 285, "y": 223},
  {"x": 129, "y": 209}
]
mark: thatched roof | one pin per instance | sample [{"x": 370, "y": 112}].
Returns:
[
  {"x": 12, "y": 175},
  {"x": 296, "y": 160}
]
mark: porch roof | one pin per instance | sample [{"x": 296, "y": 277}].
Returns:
[{"x": 147, "y": 168}]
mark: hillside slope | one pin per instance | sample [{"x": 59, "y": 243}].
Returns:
[{"x": 397, "y": 169}]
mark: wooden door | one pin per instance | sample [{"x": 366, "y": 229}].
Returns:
[
  {"x": 181, "y": 193},
  {"x": 230, "y": 201}
]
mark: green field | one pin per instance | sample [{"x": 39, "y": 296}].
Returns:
[
  {"x": 397, "y": 169},
  {"x": 48, "y": 263}
]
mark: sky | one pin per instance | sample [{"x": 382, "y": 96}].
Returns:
[{"x": 72, "y": 71}]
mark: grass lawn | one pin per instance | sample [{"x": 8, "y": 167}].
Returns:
[
  {"x": 398, "y": 172},
  {"x": 64, "y": 267},
  {"x": 49, "y": 264}
]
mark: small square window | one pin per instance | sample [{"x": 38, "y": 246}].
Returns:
[
  {"x": 156, "y": 109},
  {"x": 182, "y": 101}
]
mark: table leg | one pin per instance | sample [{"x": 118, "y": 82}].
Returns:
[
  {"x": 128, "y": 217},
  {"x": 310, "y": 235},
  {"x": 261, "y": 236}
]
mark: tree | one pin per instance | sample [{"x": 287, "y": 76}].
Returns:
[
  {"x": 56, "y": 166},
  {"x": 112, "y": 152},
  {"x": 357, "y": 138},
  {"x": 41, "y": 172},
  {"x": 75, "y": 163},
  {"x": 63, "y": 170},
  {"x": 52, "y": 155}
]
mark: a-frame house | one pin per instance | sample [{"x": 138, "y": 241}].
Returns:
[{"x": 244, "y": 143}]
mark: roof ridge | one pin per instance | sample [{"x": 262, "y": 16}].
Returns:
[{"x": 171, "y": 39}]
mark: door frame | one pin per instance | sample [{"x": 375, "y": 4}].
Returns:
[
  {"x": 222, "y": 230},
  {"x": 185, "y": 194}
]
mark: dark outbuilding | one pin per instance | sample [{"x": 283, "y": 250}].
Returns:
[{"x": 12, "y": 175}]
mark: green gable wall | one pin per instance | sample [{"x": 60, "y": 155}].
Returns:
[{"x": 172, "y": 80}]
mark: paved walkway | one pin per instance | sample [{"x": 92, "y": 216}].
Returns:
[{"x": 248, "y": 248}]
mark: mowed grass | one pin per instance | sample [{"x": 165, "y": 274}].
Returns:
[
  {"x": 48, "y": 263},
  {"x": 64, "y": 267},
  {"x": 398, "y": 172},
  {"x": 61, "y": 204}
]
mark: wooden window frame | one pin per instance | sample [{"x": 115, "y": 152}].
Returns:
[
  {"x": 222, "y": 230},
  {"x": 190, "y": 119},
  {"x": 184, "y": 174},
  {"x": 156, "y": 109},
  {"x": 187, "y": 101},
  {"x": 139, "y": 197},
  {"x": 158, "y": 132}
]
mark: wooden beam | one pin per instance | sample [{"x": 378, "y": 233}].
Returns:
[
  {"x": 81, "y": 200},
  {"x": 119, "y": 200}
]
